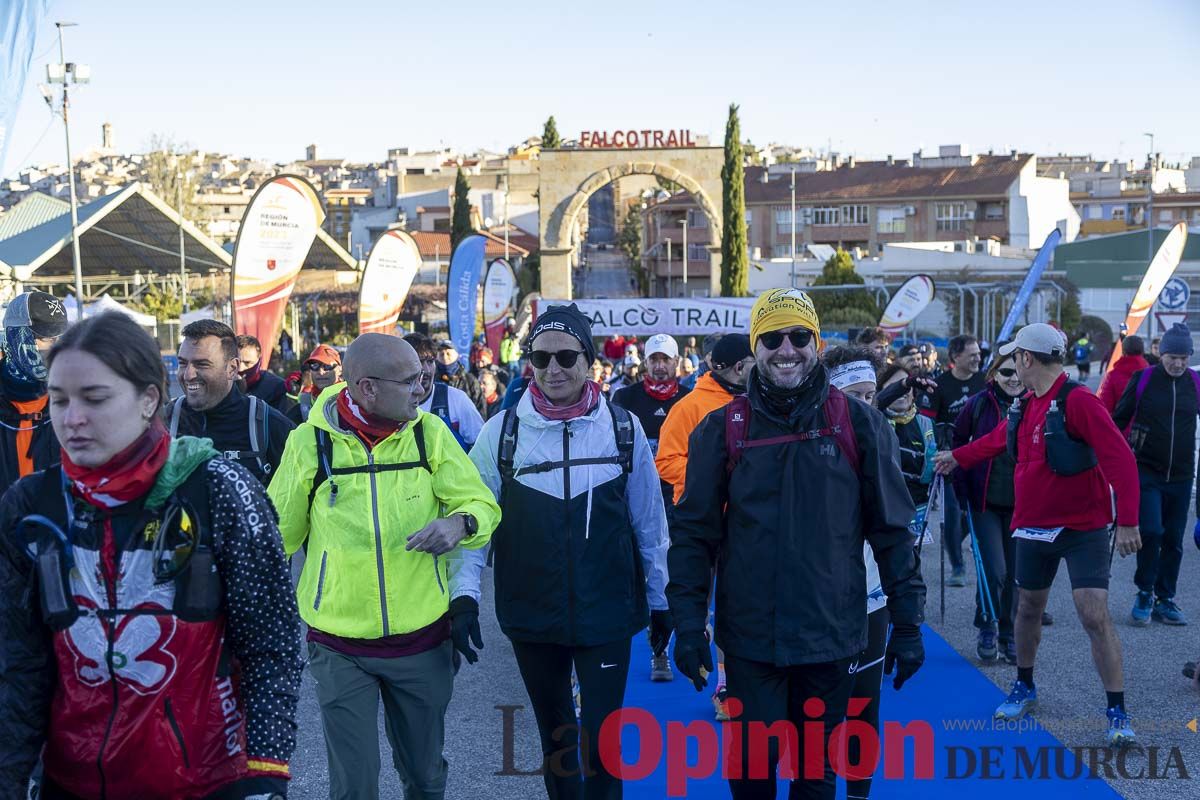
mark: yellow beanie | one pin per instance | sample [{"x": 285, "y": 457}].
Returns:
[{"x": 783, "y": 308}]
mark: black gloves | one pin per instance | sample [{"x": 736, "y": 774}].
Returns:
[
  {"x": 693, "y": 656},
  {"x": 661, "y": 626},
  {"x": 464, "y": 627},
  {"x": 904, "y": 649}
]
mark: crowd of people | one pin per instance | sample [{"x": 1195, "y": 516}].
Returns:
[{"x": 757, "y": 493}]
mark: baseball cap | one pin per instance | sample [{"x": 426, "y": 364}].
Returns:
[
  {"x": 324, "y": 354},
  {"x": 662, "y": 343},
  {"x": 39, "y": 311},
  {"x": 446, "y": 344},
  {"x": 908, "y": 350},
  {"x": 731, "y": 349},
  {"x": 1037, "y": 337}
]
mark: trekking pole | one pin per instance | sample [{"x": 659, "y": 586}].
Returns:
[
  {"x": 939, "y": 489},
  {"x": 985, "y": 597}
]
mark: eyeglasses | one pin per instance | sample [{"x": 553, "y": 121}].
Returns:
[
  {"x": 1006, "y": 372},
  {"x": 319, "y": 366},
  {"x": 565, "y": 358},
  {"x": 411, "y": 383},
  {"x": 774, "y": 339}
]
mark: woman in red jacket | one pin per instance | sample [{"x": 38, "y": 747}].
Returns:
[{"x": 1116, "y": 379}]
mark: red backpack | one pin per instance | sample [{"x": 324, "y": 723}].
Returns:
[{"x": 837, "y": 418}]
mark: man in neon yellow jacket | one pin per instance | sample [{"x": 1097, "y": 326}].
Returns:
[{"x": 384, "y": 501}]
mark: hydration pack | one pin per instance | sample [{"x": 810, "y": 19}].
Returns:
[{"x": 1065, "y": 455}]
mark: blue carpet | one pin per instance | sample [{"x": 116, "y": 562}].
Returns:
[{"x": 949, "y": 693}]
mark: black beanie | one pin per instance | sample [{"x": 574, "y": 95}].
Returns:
[{"x": 566, "y": 319}]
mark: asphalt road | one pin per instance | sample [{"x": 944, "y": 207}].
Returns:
[{"x": 1071, "y": 697}]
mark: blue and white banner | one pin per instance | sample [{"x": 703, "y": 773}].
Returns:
[
  {"x": 19, "y": 21},
  {"x": 462, "y": 292},
  {"x": 1040, "y": 261}
]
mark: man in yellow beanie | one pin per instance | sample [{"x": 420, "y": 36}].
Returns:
[{"x": 784, "y": 485}]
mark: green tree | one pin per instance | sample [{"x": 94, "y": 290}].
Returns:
[
  {"x": 168, "y": 171},
  {"x": 460, "y": 221},
  {"x": 550, "y": 137},
  {"x": 735, "y": 264},
  {"x": 848, "y": 306},
  {"x": 162, "y": 304},
  {"x": 630, "y": 242}
]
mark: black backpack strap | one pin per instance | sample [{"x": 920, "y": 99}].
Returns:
[
  {"x": 324, "y": 468},
  {"x": 176, "y": 410},
  {"x": 441, "y": 401},
  {"x": 506, "y": 451},
  {"x": 623, "y": 431}
]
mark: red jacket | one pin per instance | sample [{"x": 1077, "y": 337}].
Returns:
[
  {"x": 1114, "y": 383},
  {"x": 614, "y": 349},
  {"x": 1045, "y": 500}
]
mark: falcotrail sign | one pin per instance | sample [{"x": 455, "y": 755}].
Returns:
[
  {"x": 694, "y": 316},
  {"x": 635, "y": 139}
]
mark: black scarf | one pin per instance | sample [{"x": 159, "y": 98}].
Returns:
[
  {"x": 733, "y": 388},
  {"x": 787, "y": 402}
]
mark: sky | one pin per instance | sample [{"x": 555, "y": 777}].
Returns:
[{"x": 264, "y": 78}]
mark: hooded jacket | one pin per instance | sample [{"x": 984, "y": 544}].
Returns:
[
  {"x": 988, "y": 480},
  {"x": 786, "y": 530},
  {"x": 1168, "y": 411},
  {"x": 1117, "y": 378},
  {"x": 678, "y": 426},
  {"x": 186, "y": 707},
  {"x": 25, "y": 435},
  {"x": 359, "y": 581},
  {"x": 581, "y": 552},
  {"x": 271, "y": 389}
]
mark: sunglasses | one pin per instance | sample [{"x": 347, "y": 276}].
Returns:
[
  {"x": 319, "y": 366},
  {"x": 1006, "y": 372},
  {"x": 565, "y": 358},
  {"x": 774, "y": 339}
]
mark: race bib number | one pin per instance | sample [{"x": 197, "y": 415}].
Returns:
[{"x": 1046, "y": 535}]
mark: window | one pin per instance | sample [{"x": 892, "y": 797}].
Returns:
[
  {"x": 1118, "y": 214},
  {"x": 1166, "y": 215},
  {"x": 826, "y": 215},
  {"x": 698, "y": 219},
  {"x": 781, "y": 251},
  {"x": 783, "y": 219},
  {"x": 749, "y": 216},
  {"x": 1094, "y": 212},
  {"x": 949, "y": 216},
  {"x": 854, "y": 215},
  {"x": 889, "y": 220},
  {"x": 993, "y": 211},
  {"x": 226, "y": 209},
  {"x": 1087, "y": 186}
]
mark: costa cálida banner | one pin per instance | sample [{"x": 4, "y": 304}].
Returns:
[
  {"x": 1040, "y": 262},
  {"x": 276, "y": 234},
  {"x": 907, "y": 303},
  {"x": 462, "y": 292},
  {"x": 498, "y": 289},
  {"x": 1161, "y": 268},
  {"x": 391, "y": 267}
]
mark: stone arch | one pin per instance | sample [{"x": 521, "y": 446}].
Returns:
[{"x": 562, "y": 218}]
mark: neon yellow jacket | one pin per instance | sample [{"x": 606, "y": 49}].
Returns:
[{"x": 358, "y": 579}]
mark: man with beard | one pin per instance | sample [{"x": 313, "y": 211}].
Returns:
[
  {"x": 242, "y": 427},
  {"x": 262, "y": 383},
  {"x": 783, "y": 488},
  {"x": 446, "y": 402},
  {"x": 32, "y": 321}
]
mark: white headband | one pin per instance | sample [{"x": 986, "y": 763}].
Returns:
[{"x": 849, "y": 374}]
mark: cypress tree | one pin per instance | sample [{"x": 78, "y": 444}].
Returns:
[
  {"x": 550, "y": 137},
  {"x": 460, "y": 221},
  {"x": 735, "y": 265}
]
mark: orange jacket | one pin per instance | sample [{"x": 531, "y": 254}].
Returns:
[{"x": 678, "y": 426}]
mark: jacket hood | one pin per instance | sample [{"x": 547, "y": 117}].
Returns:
[
  {"x": 186, "y": 454},
  {"x": 1130, "y": 364}
]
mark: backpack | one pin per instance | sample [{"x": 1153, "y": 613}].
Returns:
[
  {"x": 326, "y": 471},
  {"x": 439, "y": 406},
  {"x": 837, "y": 416},
  {"x": 622, "y": 430},
  {"x": 1065, "y": 455},
  {"x": 259, "y": 442}
]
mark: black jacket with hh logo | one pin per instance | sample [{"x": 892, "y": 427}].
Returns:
[{"x": 786, "y": 532}]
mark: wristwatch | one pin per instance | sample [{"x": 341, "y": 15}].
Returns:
[{"x": 470, "y": 524}]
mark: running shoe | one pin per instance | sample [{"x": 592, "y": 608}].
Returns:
[
  {"x": 1142, "y": 608},
  {"x": 719, "y": 697},
  {"x": 958, "y": 577},
  {"x": 985, "y": 645},
  {"x": 1047, "y": 619},
  {"x": 1020, "y": 701},
  {"x": 1120, "y": 728},
  {"x": 660, "y": 669},
  {"x": 1008, "y": 651},
  {"x": 1166, "y": 612}
]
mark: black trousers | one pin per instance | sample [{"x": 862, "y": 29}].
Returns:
[
  {"x": 602, "y": 672},
  {"x": 866, "y": 685},
  {"x": 772, "y": 694},
  {"x": 993, "y": 529}
]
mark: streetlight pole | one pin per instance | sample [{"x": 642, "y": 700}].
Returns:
[
  {"x": 1150, "y": 205},
  {"x": 669, "y": 267},
  {"x": 68, "y": 71},
  {"x": 507, "y": 167},
  {"x": 183, "y": 281},
  {"x": 793, "y": 227}
]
